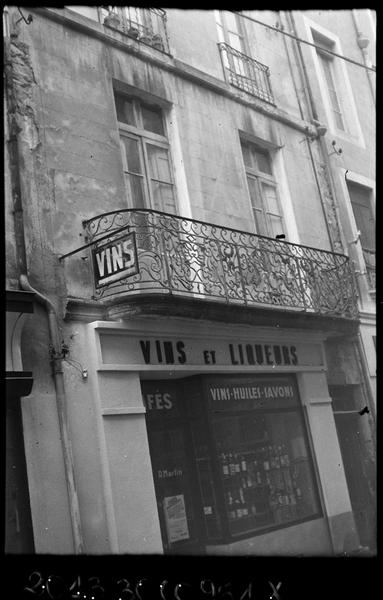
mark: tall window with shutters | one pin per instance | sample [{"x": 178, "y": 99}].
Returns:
[
  {"x": 230, "y": 31},
  {"x": 361, "y": 203},
  {"x": 145, "y": 154},
  {"x": 263, "y": 190},
  {"x": 329, "y": 73}
]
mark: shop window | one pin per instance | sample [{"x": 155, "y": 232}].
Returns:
[
  {"x": 239, "y": 464},
  {"x": 145, "y": 154},
  {"x": 263, "y": 190}
]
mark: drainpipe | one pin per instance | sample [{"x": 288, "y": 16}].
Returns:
[
  {"x": 322, "y": 145},
  {"x": 14, "y": 161},
  {"x": 62, "y": 415},
  {"x": 363, "y": 42}
]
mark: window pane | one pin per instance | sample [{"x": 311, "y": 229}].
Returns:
[
  {"x": 254, "y": 192},
  {"x": 163, "y": 197},
  {"x": 270, "y": 195},
  {"x": 135, "y": 186},
  {"x": 124, "y": 109},
  {"x": 247, "y": 156},
  {"x": 264, "y": 163},
  {"x": 231, "y": 22},
  {"x": 260, "y": 222},
  {"x": 132, "y": 153},
  {"x": 364, "y": 218},
  {"x": 235, "y": 41},
  {"x": 159, "y": 167},
  {"x": 265, "y": 466},
  {"x": 152, "y": 119},
  {"x": 276, "y": 225}
]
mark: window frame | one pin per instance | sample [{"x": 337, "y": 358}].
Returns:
[
  {"x": 145, "y": 137},
  {"x": 320, "y": 36},
  {"x": 336, "y": 108},
  {"x": 222, "y": 23},
  {"x": 260, "y": 177}
]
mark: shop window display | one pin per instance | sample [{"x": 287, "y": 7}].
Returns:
[{"x": 247, "y": 468}]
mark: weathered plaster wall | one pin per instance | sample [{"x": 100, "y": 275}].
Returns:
[{"x": 79, "y": 170}]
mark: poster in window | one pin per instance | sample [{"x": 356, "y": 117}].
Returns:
[{"x": 176, "y": 520}]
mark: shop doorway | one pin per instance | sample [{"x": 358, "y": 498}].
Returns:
[
  {"x": 358, "y": 465},
  {"x": 173, "y": 465}
]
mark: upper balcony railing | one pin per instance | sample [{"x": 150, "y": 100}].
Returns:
[
  {"x": 188, "y": 258},
  {"x": 146, "y": 25},
  {"x": 246, "y": 73}
]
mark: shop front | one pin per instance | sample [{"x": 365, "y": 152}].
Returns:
[
  {"x": 230, "y": 458},
  {"x": 217, "y": 439}
]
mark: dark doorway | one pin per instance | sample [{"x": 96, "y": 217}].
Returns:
[
  {"x": 18, "y": 521},
  {"x": 173, "y": 464},
  {"x": 358, "y": 464}
]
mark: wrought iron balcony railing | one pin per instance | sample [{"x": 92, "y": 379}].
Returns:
[
  {"x": 147, "y": 25},
  {"x": 191, "y": 258},
  {"x": 246, "y": 73}
]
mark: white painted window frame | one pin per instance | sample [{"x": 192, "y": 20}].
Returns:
[
  {"x": 144, "y": 136},
  {"x": 365, "y": 182},
  {"x": 353, "y": 131}
]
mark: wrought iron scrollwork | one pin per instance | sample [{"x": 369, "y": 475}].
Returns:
[{"x": 197, "y": 259}]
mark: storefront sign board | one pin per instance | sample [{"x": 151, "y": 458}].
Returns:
[
  {"x": 114, "y": 260},
  {"x": 145, "y": 351}
]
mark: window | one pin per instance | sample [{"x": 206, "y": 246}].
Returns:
[
  {"x": 147, "y": 25},
  {"x": 262, "y": 190},
  {"x": 326, "y": 62},
  {"x": 230, "y": 30},
  {"x": 240, "y": 69},
  {"x": 360, "y": 197},
  {"x": 146, "y": 156},
  {"x": 231, "y": 454}
]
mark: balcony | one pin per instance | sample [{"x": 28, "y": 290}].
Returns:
[
  {"x": 146, "y": 25},
  {"x": 246, "y": 73},
  {"x": 187, "y": 259}
]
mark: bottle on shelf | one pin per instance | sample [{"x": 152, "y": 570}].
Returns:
[
  {"x": 225, "y": 465},
  {"x": 266, "y": 462},
  {"x": 243, "y": 464},
  {"x": 286, "y": 458},
  {"x": 277, "y": 457},
  {"x": 237, "y": 463},
  {"x": 231, "y": 464}
]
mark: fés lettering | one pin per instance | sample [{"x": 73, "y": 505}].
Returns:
[
  {"x": 261, "y": 354},
  {"x": 158, "y": 401}
]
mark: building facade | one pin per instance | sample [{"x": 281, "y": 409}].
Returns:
[{"x": 189, "y": 211}]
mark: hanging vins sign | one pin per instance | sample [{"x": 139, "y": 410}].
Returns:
[{"x": 115, "y": 260}]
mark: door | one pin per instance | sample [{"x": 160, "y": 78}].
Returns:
[
  {"x": 173, "y": 465},
  {"x": 358, "y": 466}
]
